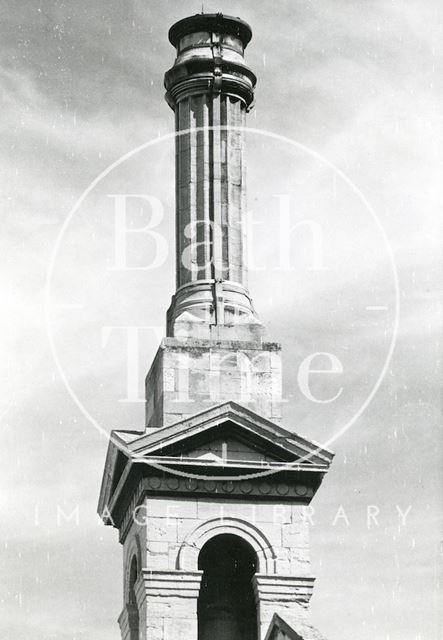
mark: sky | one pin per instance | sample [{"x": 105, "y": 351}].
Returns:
[{"x": 346, "y": 133}]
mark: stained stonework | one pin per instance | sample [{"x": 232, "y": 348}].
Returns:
[
  {"x": 168, "y": 498},
  {"x": 189, "y": 376},
  {"x": 176, "y": 529},
  {"x": 170, "y": 539}
]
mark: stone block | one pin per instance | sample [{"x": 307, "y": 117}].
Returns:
[
  {"x": 159, "y": 607},
  {"x": 171, "y": 418},
  {"x": 154, "y": 623},
  {"x": 283, "y": 567},
  {"x": 297, "y": 514},
  {"x": 281, "y": 513},
  {"x": 263, "y": 384},
  {"x": 273, "y": 533},
  {"x": 295, "y": 535},
  {"x": 233, "y": 365},
  {"x": 209, "y": 509},
  {"x": 172, "y": 508},
  {"x": 169, "y": 379},
  {"x": 299, "y": 555},
  {"x": 157, "y": 547},
  {"x": 177, "y": 406},
  {"x": 175, "y": 628},
  {"x": 185, "y": 527},
  {"x": 153, "y": 633},
  {"x": 157, "y": 562},
  {"x": 263, "y": 512}
]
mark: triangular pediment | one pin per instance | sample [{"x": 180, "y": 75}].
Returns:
[
  {"x": 279, "y": 629},
  {"x": 227, "y": 435},
  {"x": 230, "y": 430}
]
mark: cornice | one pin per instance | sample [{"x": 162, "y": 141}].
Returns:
[
  {"x": 268, "y": 489},
  {"x": 200, "y": 76}
]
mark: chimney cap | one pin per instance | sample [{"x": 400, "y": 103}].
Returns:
[{"x": 214, "y": 22}]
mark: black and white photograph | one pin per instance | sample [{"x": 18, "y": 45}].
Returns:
[{"x": 221, "y": 409}]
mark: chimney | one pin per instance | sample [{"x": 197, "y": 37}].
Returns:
[{"x": 210, "y": 88}]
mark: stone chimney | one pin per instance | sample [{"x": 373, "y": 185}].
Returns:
[{"x": 210, "y": 88}]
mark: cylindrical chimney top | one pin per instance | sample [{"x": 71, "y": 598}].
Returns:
[
  {"x": 211, "y": 22},
  {"x": 210, "y": 53}
]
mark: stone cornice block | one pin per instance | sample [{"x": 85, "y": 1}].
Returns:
[
  {"x": 185, "y": 584},
  {"x": 279, "y": 588}
]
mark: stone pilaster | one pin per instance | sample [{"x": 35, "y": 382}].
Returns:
[
  {"x": 170, "y": 600},
  {"x": 287, "y": 596}
]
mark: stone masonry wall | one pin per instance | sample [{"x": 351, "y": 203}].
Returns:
[
  {"x": 191, "y": 376},
  {"x": 169, "y": 534}
]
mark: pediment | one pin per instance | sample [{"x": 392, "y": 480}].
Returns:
[
  {"x": 227, "y": 436},
  {"x": 279, "y": 629},
  {"x": 230, "y": 431}
]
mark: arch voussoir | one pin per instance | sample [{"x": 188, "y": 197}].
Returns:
[{"x": 187, "y": 557}]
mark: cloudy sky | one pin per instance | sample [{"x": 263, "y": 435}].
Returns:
[{"x": 351, "y": 84}]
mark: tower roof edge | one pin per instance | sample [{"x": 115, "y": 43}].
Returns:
[{"x": 217, "y": 22}]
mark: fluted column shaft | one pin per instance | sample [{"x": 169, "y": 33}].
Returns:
[{"x": 210, "y": 190}]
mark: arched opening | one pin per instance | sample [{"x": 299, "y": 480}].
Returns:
[
  {"x": 226, "y": 604},
  {"x": 133, "y": 616}
]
